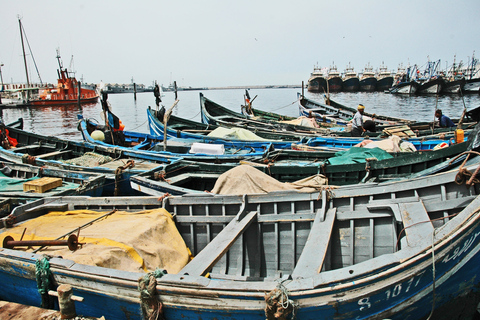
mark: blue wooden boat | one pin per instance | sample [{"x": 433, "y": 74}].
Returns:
[
  {"x": 216, "y": 151},
  {"x": 13, "y": 176},
  {"x": 187, "y": 129},
  {"x": 393, "y": 250},
  {"x": 117, "y": 165},
  {"x": 214, "y": 114}
]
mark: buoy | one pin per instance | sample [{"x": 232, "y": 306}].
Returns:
[
  {"x": 98, "y": 135},
  {"x": 440, "y": 146},
  {"x": 459, "y": 136}
]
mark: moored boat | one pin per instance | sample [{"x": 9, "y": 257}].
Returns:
[
  {"x": 430, "y": 81},
  {"x": 384, "y": 78},
  {"x": 335, "y": 82},
  {"x": 67, "y": 91},
  {"x": 403, "y": 82},
  {"x": 368, "y": 82},
  {"x": 116, "y": 165},
  {"x": 317, "y": 83},
  {"x": 391, "y": 250},
  {"x": 351, "y": 81}
]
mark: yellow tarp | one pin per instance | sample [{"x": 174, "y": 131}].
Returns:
[{"x": 129, "y": 241}]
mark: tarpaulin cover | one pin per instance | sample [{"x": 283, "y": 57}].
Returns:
[
  {"x": 303, "y": 121},
  {"x": 358, "y": 155},
  {"x": 245, "y": 179},
  {"x": 234, "y": 133},
  {"x": 129, "y": 241},
  {"x": 9, "y": 184}
]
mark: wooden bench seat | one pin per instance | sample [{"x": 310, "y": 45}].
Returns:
[
  {"x": 214, "y": 251},
  {"x": 315, "y": 250}
]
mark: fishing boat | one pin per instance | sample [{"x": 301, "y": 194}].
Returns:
[
  {"x": 472, "y": 79},
  {"x": 317, "y": 83},
  {"x": 137, "y": 142},
  {"x": 206, "y": 133},
  {"x": 30, "y": 182},
  {"x": 215, "y": 114},
  {"x": 357, "y": 165},
  {"x": 67, "y": 91},
  {"x": 344, "y": 113},
  {"x": 430, "y": 81},
  {"x": 46, "y": 151},
  {"x": 334, "y": 79},
  {"x": 368, "y": 82},
  {"x": 454, "y": 79},
  {"x": 403, "y": 81},
  {"x": 391, "y": 250},
  {"x": 384, "y": 78},
  {"x": 351, "y": 81}
]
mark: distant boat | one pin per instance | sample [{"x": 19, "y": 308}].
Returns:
[
  {"x": 351, "y": 82},
  {"x": 368, "y": 82},
  {"x": 68, "y": 90},
  {"x": 384, "y": 79},
  {"x": 472, "y": 81},
  {"x": 431, "y": 81},
  {"x": 454, "y": 79},
  {"x": 335, "y": 82},
  {"x": 317, "y": 83},
  {"x": 403, "y": 83}
]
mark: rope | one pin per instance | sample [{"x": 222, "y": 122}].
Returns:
[
  {"x": 138, "y": 126},
  {"x": 433, "y": 275},
  {"x": 278, "y": 305},
  {"x": 43, "y": 276},
  {"x": 151, "y": 306}
]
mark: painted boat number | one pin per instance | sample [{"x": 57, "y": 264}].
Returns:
[
  {"x": 392, "y": 293},
  {"x": 365, "y": 303}
]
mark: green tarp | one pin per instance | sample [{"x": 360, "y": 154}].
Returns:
[{"x": 358, "y": 155}]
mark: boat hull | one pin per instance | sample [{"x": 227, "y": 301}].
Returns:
[
  {"x": 452, "y": 87},
  {"x": 433, "y": 86},
  {"x": 52, "y": 102},
  {"x": 368, "y": 84},
  {"x": 405, "y": 88},
  {"x": 351, "y": 85},
  {"x": 472, "y": 86},
  {"x": 317, "y": 85},
  {"x": 335, "y": 84},
  {"x": 384, "y": 83}
]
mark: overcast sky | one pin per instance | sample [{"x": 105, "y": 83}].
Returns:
[{"x": 224, "y": 43}]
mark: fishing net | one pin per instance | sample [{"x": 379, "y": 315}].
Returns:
[{"x": 89, "y": 159}]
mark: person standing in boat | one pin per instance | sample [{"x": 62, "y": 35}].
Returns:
[
  {"x": 443, "y": 120},
  {"x": 357, "y": 122}
]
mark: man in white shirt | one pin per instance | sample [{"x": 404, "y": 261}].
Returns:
[{"x": 357, "y": 122}]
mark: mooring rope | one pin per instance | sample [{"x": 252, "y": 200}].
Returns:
[
  {"x": 278, "y": 305},
  {"x": 150, "y": 305},
  {"x": 43, "y": 276}
]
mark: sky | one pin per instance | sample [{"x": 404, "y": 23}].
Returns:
[{"x": 215, "y": 43}]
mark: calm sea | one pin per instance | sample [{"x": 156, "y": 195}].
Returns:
[{"x": 61, "y": 121}]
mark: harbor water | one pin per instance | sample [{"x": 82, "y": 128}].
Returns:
[{"x": 61, "y": 121}]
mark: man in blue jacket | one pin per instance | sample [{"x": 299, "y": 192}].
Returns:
[{"x": 443, "y": 121}]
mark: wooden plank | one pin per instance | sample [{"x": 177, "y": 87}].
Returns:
[
  {"x": 50, "y": 207},
  {"x": 418, "y": 227},
  {"x": 219, "y": 245},
  {"x": 313, "y": 254}
]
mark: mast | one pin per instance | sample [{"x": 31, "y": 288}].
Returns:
[{"x": 23, "y": 49}]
